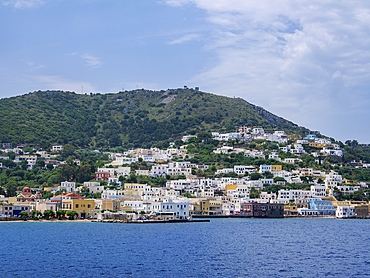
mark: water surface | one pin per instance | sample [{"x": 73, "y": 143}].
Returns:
[{"x": 221, "y": 248}]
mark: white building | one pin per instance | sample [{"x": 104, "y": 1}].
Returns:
[
  {"x": 137, "y": 206},
  {"x": 151, "y": 206},
  {"x": 274, "y": 155},
  {"x": 257, "y": 130},
  {"x": 285, "y": 196},
  {"x": 122, "y": 171},
  {"x": 345, "y": 212},
  {"x": 318, "y": 191},
  {"x": 265, "y": 168},
  {"x": 142, "y": 172},
  {"x": 106, "y": 170},
  {"x": 68, "y": 186},
  {"x": 240, "y": 169},
  {"x": 56, "y": 148},
  {"x": 329, "y": 151},
  {"x": 224, "y": 171},
  {"x": 159, "y": 170},
  {"x": 115, "y": 180},
  {"x": 107, "y": 194},
  {"x": 187, "y": 137},
  {"x": 332, "y": 180},
  {"x": 181, "y": 210},
  {"x": 94, "y": 187},
  {"x": 182, "y": 184}
]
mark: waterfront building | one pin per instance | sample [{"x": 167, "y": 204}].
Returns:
[
  {"x": 322, "y": 207},
  {"x": 207, "y": 207},
  {"x": 180, "y": 210},
  {"x": 345, "y": 212},
  {"x": 84, "y": 208}
]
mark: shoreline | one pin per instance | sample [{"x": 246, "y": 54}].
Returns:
[
  {"x": 44, "y": 220},
  {"x": 197, "y": 220}
]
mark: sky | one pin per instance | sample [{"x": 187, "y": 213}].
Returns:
[{"x": 307, "y": 61}]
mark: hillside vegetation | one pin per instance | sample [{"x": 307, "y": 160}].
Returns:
[{"x": 136, "y": 118}]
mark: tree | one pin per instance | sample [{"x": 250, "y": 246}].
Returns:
[
  {"x": 72, "y": 214},
  {"x": 338, "y": 194},
  {"x": 178, "y": 143},
  {"x": 255, "y": 176},
  {"x": 49, "y": 213},
  {"x": 278, "y": 179},
  {"x": 253, "y": 193},
  {"x": 268, "y": 175},
  {"x": 24, "y": 165},
  {"x": 204, "y": 136},
  {"x": 68, "y": 150},
  {"x": 60, "y": 213},
  {"x": 40, "y": 163},
  {"x": 11, "y": 188},
  {"x": 50, "y": 166},
  {"x": 47, "y": 195},
  {"x": 24, "y": 214}
]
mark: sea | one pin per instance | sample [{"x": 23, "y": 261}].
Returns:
[{"x": 221, "y": 248}]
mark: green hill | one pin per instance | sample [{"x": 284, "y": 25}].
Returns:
[{"x": 136, "y": 118}]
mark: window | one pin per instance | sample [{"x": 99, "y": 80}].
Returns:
[
  {"x": 76, "y": 205},
  {"x": 88, "y": 205}
]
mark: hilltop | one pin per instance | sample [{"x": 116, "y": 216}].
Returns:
[{"x": 135, "y": 118}]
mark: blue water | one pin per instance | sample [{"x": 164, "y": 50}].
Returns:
[{"x": 221, "y": 248}]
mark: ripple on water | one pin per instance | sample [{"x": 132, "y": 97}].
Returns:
[{"x": 221, "y": 248}]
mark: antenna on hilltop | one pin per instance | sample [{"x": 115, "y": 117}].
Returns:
[{"x": 82, "y": 89}]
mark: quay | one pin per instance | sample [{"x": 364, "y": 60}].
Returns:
[{"x": 152, "y": 221}]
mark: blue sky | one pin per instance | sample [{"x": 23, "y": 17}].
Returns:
[{"x": 307, "y": 61}]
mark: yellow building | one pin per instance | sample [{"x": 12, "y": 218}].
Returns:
[
  {"x": 276, "y": 168},
  {"x": 111, "y": 204},
  {"x": 134, "y": 190},
  {"x": 230, "y": 187},
  {"x": 340, "y": 203},
  {"x": 361, "y": 210},
  {"x": 47, "y": 189},
  {"x": 208, "y": 207},
  {"x": 132, "y": 193},
  {"x": 84, "y": 208},
  {"x": 12, "y": 200},
  {"x": 134, "y": 186},
  {"x": 290, "y": 210},
  {"x": 320, "y": 146}
]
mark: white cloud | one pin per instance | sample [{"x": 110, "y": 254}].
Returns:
[
  {"x": 22, "y": 4},
  {"x": 91, "y": 61},
  {"x": 184, "y": 39},
  {"x": 304, "y": 60},
  {"x": 34, "y": 67}
]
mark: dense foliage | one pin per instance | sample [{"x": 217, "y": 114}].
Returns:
[{"x": 133, "y": 119}]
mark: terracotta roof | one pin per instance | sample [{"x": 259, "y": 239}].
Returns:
[{"x": 73, "y": 196}]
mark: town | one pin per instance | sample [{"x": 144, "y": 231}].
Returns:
[{"x": 196, "y": 176}]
